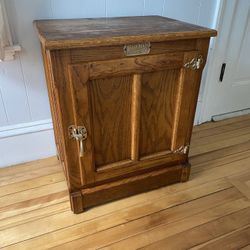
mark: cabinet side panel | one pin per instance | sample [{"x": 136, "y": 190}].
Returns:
[
  {"x": 59, "y": 63},
  {"x": 158, "y": 101},
  {"x": 52, "y": 98},
  {"x": 111, "y": 112}
]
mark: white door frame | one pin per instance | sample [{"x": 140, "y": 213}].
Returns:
[{"x": 216, "y": 56}]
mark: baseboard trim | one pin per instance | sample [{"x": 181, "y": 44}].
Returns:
[
  {"x": 26, "y": 142},
  {"x": 25, "y": 128},
  {"x": 232, "y": 114}
]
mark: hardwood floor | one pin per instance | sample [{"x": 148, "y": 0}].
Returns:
[{"x": 211, "y": 211}]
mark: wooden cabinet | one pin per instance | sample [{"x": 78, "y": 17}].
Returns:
[{"x": 123, "y": 93}]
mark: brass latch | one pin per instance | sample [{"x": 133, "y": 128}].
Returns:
[
  {"x": 195, "y": 63},
  {"x": 79, "y": 133},
  {"x": 182, "y": 150}
]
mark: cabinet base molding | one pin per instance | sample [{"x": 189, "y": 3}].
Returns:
[
  {"x": 185, "y": 172},
  {"x": 89, "y": 197},
  {"x": 76, "y": 202}
]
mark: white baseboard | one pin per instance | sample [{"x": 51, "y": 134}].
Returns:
[
  {"x": 220, "y": 117},
  {"x": 197, "y": 113},
  {"x": 26, "y": 142}
]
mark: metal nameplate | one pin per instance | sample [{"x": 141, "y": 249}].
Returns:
[{"x": 137, "y": 49}]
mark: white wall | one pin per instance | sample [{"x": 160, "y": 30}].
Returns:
[{"x": 23, "y": 94}]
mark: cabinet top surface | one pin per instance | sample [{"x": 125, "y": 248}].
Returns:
[{"x": 87, "y": 32}]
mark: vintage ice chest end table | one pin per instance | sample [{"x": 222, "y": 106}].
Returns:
[{"x": 123, "y": 94}]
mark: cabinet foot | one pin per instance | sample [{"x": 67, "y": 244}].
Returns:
[
  {"x": 185, "y": 172},
  {"x": 76, "y": 201}
]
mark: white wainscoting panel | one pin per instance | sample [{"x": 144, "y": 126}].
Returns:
[
  {"x": 26, "y": 142},
  {"x": 3, "y": 116},
  {"x": 154, "y": 7}
]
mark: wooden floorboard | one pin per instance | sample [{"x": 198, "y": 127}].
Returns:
[{"x": 211, "y": 211}]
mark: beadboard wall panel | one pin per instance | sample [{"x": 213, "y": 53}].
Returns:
[
  {"x": 124, "y": 8},
  {"x": 14, "y": 92},
  {"x": 22, "y": 84},
  {"x": 78, "y": 8},
  {"x": 3, "y": 116},
  {"x": 153, "y": 7},
  {"x": 30, "y": 60},
  {"x": 187, "y": 11}
]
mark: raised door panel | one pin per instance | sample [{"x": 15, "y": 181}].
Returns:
[
  {"x": 158, "y": 104},
  {"x": 131, "y": 110},
  {"x": 111, "y": 118}
]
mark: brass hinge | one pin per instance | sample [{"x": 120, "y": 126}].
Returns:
[
  {"x": 182, "y": 150},
  {"x": 79, "y": 133},
  {"x": 195, "y": 63}
]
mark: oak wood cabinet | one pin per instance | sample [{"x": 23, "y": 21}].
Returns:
[{"x": 123, "y": 94}]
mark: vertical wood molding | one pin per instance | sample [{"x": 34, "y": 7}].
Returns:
[
  {"x": 177, "y": 110},
  {"x": 135, "y": 116}
]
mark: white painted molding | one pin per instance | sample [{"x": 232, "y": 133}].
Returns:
[
  {"x": 216, "y": 118},
  {"x": 10, "y": 51},
  {"x": 7, "y": 49},
  {"x": 25, "y": 128},
  {"x": 26, "y": 142}
]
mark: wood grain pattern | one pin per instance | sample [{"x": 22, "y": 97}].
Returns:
[
  {"x": 116, "y": 52},
  {"x": 185, "y": 109},
  {"x": 82, "y": 117},
  {"x": 138, "y": 110},
  {"x": 199, "y": 234},
  {"x": 128, "y": 186},
  {"x": 206, "y": 211},
  {"x": 55, "y": 121},
  {"x": 108, "y": 31},
  {"x": 111, "y": 111},
  {"x": 145, "y": 164},
  {"x": 135, "y": 116},
  {"x": 237, "y": 239},
  {"x": 159, "y": 94},
  {"x": 139, "y": 64},
  {"x": 59, "y": 64}
]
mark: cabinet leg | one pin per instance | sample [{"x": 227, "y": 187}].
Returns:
[
  {"x": 76, "y": 202},
  {"x": 185, "y": 172}
]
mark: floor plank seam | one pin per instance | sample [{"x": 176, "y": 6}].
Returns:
[
  {"x": 220, "y": 158},
  {"x": 63, "y": 228},
  {"x": 197, "y": 137},
  {"x": 223, "y": 236},
  {"x": 149, "y": 215},
  {"x": 33, "y": 188},
  {"x": 203, "y": 224},
  {"x": 167, "y": 224}
]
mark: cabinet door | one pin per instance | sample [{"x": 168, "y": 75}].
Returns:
[{"x": 138, "y": 112}]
